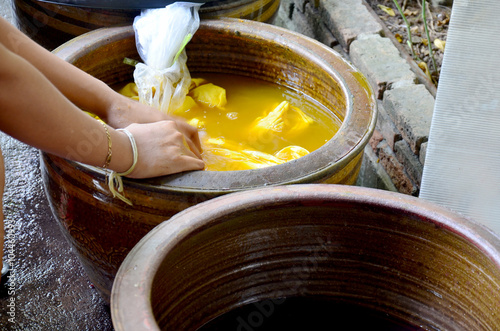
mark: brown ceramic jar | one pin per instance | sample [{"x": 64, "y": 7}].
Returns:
[
  {"x": 52, "y": 24},
  {"x": 103, "y": 230},
  {"x": 392, "y": 254}
]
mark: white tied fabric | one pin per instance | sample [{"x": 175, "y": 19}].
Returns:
[{"x": 161, "y": 34}]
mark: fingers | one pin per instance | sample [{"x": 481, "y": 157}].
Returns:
[
  {"x": 192, "y": 136},
  {"x": 163, "y": 150},
  {"x": 192, "y": 147},
  {"x": 126, "y": 111}
]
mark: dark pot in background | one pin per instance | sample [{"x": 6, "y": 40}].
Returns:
[
  {"x": 52, "y": 24},
  {"x": 389, "y": 253},
  {"x": 103, "y": 230}
]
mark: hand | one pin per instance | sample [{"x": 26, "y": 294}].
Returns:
[
  {"x": 163, "y": 149},
  {"x": 125, "y": 111}
]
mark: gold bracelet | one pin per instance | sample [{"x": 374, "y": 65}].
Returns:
[
  {"x": 115, "y": 182},
  {"x": 110, "y": 152}
]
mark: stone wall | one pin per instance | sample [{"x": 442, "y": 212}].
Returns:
[{"x": 395, "y": 156}]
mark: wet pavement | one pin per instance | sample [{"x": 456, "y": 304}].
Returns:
[
  {"x": 52, "y": 291},
  {"x": 49, "y": 288}
]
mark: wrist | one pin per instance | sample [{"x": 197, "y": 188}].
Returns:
[{"x": 123, "y": 156}]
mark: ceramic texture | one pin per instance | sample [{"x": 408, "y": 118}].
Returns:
[
  {"x": 385, "y": 251},
  {"x": 51, "y": 24},
  {"x": 103, "y": 230}
]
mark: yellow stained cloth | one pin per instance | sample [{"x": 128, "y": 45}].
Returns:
[
  {"x": 298, "y": 121},
  {"x": 197, "y": 123},
  {"x": 222, "y": 154},
  {"x": 274, "y": 121},
  {"x": 291, "y": 153},
  {"x": 210, "y": 95},
  {"x": 130, "y": 90},
  {"x": 195, "y": 82},
  {"x": 188, "y": 104},
  {"x": 285, "y": 120}
]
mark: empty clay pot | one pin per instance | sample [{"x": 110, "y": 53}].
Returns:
[
  {"x": 52, "y": 24},
  {"x": 388, "y": 253},
  {"x": 103, "y": 230}
]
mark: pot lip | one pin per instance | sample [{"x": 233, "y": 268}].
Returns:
[
  {"x": 324, "y": 161},
  {"x": 135, "y": 275},
  {"x": 136, "y": 5}
]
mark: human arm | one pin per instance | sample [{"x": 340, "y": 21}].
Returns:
[
  {"x": 87, "y": 92},
  {"x": 34, "y": 111}
]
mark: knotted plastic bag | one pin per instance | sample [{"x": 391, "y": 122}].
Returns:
[{"x": 161, "y": 34}]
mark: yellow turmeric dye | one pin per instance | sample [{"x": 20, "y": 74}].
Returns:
[{"x": 246, "y": 123}]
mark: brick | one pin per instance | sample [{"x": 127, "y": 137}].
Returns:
[
  {"x": 300, "y": 5},
  {"x": 411, "y": 108},
  {"x": 302, "y": 24},
  {"x": 347, "y": 19},
  {"x": 325, "y": 36},
  {"x": 396, "y": 170},
  {"x": 386, "y": 127},
  {"x": 287, "y": 8},
  {"x": 293, "y": 20},
  {"x": 380, "y": 61},
  {"x": 372, "y": 174},
  {"x": 321, "y": 32},
  {"x": 375, "y": 139},
  {"x": 409, "y": 160},
  {"x": 283, "y": 18}
]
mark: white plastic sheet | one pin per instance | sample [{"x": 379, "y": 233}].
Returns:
[{"x": 161, "y": 34}]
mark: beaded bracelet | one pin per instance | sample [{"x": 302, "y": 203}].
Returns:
[
  {"x": 115, "y": 182},
  {"x": 110, "y": 151}
]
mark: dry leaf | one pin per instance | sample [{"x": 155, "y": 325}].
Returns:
[
  {"x": 387, "y": 10},
  {"x": 425, "y": 69},
  {"x": 440, "y": 44},
  {"x": 425, "y": 42},
  {"x": 408, "y": 12},
  {"x": 399, "y": 38}
]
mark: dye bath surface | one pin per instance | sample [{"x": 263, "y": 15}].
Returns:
[
  {"x": 247, "y": 123},
  {"x": 51, "y": 291},
  {"x": 248, "y": 99},
  {"x": 305, "y": 314}
]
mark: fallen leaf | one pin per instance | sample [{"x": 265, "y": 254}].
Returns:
[
  {"x": 425, "y": 42},
  {"x": 443, "y": 22},
  {"x": 440, "y": 44},
  {"x": 425, "y": 69},
  {"x": 387, "y": 10},
  {"x": 408, "y": 12},
  {"x": 399, "y": 38}
]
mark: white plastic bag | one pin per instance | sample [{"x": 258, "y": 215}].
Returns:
[{"x": 161, "y": 34}]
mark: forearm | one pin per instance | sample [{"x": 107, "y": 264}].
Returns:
[
  {"x": 80, "y": 88},
  {"x": 35, "y": 112}
]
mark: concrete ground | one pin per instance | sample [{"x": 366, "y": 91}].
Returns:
[{"x": 50, "y": 289}]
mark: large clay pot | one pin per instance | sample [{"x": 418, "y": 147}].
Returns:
[
  {"x": 52, "y": 24},
  {"x": 389, "y": 253},
  {"x": 103, "y": 229}
]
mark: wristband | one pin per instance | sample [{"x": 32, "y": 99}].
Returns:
[{"x": 115, "y": 182}]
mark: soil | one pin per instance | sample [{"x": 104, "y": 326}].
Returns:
[{"x": 437, "y": 17}]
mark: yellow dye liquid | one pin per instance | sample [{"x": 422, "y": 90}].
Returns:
[{"x": 232, "y": 136}]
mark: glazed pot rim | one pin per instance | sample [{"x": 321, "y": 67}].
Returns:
[
  {"x": 136, "y": 5},
  {"x": 138, "y": 269},
  {"x": 310, "y": 168}
]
